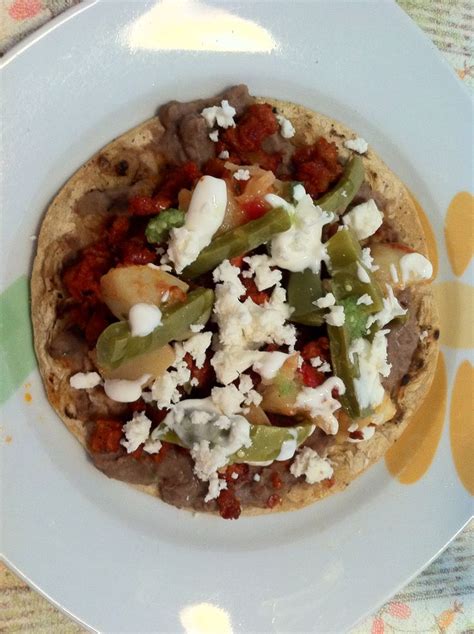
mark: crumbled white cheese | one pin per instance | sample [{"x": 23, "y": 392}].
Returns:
[
  {"x": 394, "y": 273},
  {"x": 325, "y": 367},
  {"x": 33, "y": 238},
  {"x": 224, "y": 155},
  {"x": 364, "y": 219},
  {"x": 415, "y": 268},
  {"x": 372, "y": 362},
  {"x": 423, "y": 335},
  {"x": 241, "y": 175},
  {"x": 344, "y": 193},
  {"x": 245, "y": 383},
  {"x": 260, "y": 266},
  {"x": 136, "y": 431},
  {"x": 310, "y": 465},
  {"x": 391, "y": 309},
  {"x": 143, "y": 319},
  {"x": 245, "y": 326},
  {"x": 326, "y": 301},
  {"x": 230, "y": 361},
  {"x": 124, "y": 391},
  {"x": 365, "y": 299},
  {"x": 223, "y": 115},
  {"x": 165, "y": 388},
  {"x": 165, "y": 297},
  {"x": 358, "y": 145},
  {"x": 228, "y": 276},
  {"x": 256, "y": 477},
  {"x": 85, "y": 380},
  {"x": 367, "y": 260},
  {"x": 203, "y": 218},
  {"x": 300, "y": 247},
  {"x": 321, "y": 404},
  {"x": 153, "y": 444},
  {"x": 235, "y": 476},
  {"x": 146, "y": 396},
  {"x": 316, "y": 362},
  {"x": 287, "y": 129},
  {"x": 367, "y": 432},
  {"x": 336, "y": 316},
  {"x": 216, "y": 485},
  {"x": 251, "y": 396},
  {"x": 299, "y": 192},
  {"x": 214, "y": 136},
  {"x": 197, "y": 345},
  {"x": 227, "y": 399},
  {"x": 196, "y": 327},
  {"x": 362, "y": 274},
  {"x": 231, "y": 399},
  {"x": 164, "y": 265}
]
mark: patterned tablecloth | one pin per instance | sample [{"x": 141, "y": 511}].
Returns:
[{"x": 440, "y": 599}]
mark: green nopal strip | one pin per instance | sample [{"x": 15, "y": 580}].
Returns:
[{"x": 17, "y": 358}]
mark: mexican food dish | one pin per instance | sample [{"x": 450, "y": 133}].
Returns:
[{"x": 232, "y": 308}]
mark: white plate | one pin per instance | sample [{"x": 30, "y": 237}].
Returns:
[{"x": 121, "y": 561}]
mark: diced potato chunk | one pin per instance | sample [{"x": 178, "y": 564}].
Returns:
[
  {"x": 154, "y": 363},
  {"x": 256, "y": 416},
  {"x": 279, "y": 396},
  {"x": 125, "y": 286},
  {"x": 387, "y": 257},
  {"x": 383, "y": 413}
]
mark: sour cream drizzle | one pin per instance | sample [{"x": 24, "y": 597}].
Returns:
[
  {"x": 203, "y": 218},
  {"x": 143, "y": 319},
  {"x": 415, "y": 267},
  {"x": 124, "y": 391},
  {"x": 268, "y": 364},
  {"x": 320, "y": 403},
  {"x": 300, "y": 247}
]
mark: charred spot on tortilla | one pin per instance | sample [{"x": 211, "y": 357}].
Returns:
[
  {"x": 215, "y": 291},
  {"x": 121, "y": 168}
]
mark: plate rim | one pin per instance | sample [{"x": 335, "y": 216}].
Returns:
[{"x": 28, "y": 42}]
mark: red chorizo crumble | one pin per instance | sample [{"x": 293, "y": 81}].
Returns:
[
  {"x": 317, "y": 166},
  {"x": 273, "y": 501},
  {"x": 228, "y": 505},
  {"x": 276, "y": 481}
]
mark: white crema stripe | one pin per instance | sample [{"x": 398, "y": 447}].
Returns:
[
  {"x": 203, "y": 218},
  {"x": 124, "y": 391},
  {"x": 415, "y": 267},
  {"x": 300, "y": 247},
  {"x": 321, "y": 404},
  {"x": 143, "y": 319}
]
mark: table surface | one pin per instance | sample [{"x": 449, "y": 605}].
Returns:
[{"x": 441, "y": 598}]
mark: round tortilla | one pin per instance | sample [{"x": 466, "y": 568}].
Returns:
[{"x": 64, "y": 231}]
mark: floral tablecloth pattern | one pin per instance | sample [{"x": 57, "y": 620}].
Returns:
[{"x": 441, "y": 599}]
